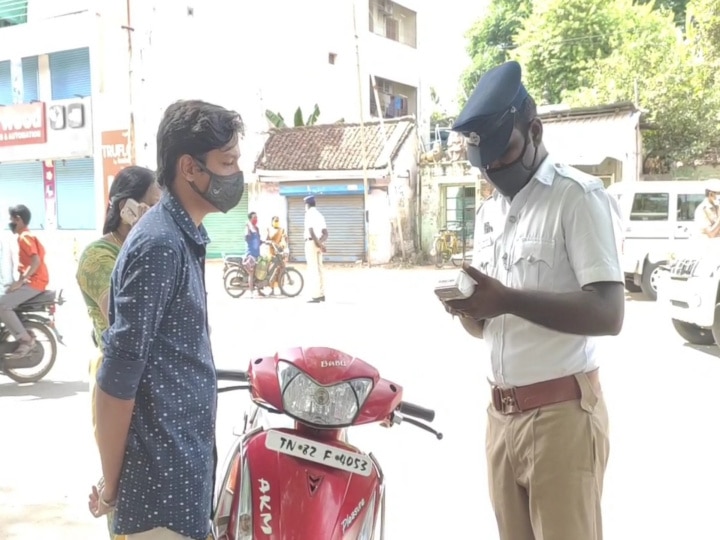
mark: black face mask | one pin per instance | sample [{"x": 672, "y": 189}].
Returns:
[
  {"x": 511, "y": 178},
  {"x": 223, "y": 192},
  {"x": 13, "y": 226}
]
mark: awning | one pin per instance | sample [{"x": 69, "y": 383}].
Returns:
[
  {"x": 590, "y": 140},
  {"x": 302, "y": 190}
]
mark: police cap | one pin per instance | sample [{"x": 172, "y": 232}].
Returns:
[{"x": 488, "y": 117}]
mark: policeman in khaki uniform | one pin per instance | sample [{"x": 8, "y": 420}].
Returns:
[{"x": 546, "y": 264}]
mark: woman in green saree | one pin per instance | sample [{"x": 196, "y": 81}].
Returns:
[{"x": 98, "y": 259}]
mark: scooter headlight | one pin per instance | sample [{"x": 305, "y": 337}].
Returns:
[{"x": 308, "y": 401}]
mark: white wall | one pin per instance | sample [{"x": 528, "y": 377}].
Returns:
[
  {"x": 47, "y": 35},
  {"x": 46, "y": 9}
]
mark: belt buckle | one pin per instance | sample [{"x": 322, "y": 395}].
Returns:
[{"x": 504, "y": 400}]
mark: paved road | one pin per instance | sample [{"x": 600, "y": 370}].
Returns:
[{"x": 661, "y": 393}]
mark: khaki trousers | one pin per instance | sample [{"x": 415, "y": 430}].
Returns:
[
  {"x": 316, "y": 274},
  {"x": 546, "y": 468},
  {"x": 158, "y": 534}
]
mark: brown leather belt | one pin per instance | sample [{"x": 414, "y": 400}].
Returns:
[{"x": 519, "y": 399}]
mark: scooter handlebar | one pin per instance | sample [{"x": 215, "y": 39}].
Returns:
[
  {"x": 410, "y": 409},
  {"x": 231, "y": 375}
]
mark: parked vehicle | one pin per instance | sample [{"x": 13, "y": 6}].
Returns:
[
  {"x": 307, "y": 482},
  {"x": 448, "y": 247},
  {"x": 690, "y": 290},
  {"x": 289, "y": 279},
  {"x": 657, "y": 216},
  {"x": 38, "y": 317}
]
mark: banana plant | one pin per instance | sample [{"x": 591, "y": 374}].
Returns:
[{"x": 277, "y": 120}]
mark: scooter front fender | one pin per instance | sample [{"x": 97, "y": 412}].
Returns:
[{"x": 294, "y": 499}]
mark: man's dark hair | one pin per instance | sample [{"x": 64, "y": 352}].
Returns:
[
  {"x": 251, "y": 214},
  {"x": 526, "y": 114},
  {"x": 193, "y": 127},
  {"x": 131, "y": 183},
  {"x": 310, "y": 203},
  {"x": 21, "y": 211}
]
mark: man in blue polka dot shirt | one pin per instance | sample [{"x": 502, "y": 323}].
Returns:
[{"x": 157, "y": 392}]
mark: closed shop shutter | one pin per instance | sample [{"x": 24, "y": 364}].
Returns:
[
  {"x": 227, "y": 231},
  {"x": 70, "y": 73},
  {"x": 30, "y": 79},
  {"x": 22, "y": 183},
  {"x": 345, "y": 219},
  {"x": 75, "y": 186},
  {"x": 6, "y": 94}
]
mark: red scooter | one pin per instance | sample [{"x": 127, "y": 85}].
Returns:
[{"x": 307, "y": 482}]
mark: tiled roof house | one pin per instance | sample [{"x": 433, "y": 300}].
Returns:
[
  {"x": 327, "y": 161},
  {"x": 335, "y": 147}
]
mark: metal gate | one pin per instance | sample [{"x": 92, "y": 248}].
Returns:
[
  {"x": 227, "y": 231},
  {"x": 75, "y": 194},
  {"x": 459, "y": 213},
  {"x": 345, "y": 219},
  {"x": 22, "y": 183}
]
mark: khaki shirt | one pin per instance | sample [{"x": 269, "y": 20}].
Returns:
[{"x": 706, "y": 215}]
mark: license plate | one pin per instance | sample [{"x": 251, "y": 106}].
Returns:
[{"x": 324, "y": 454}]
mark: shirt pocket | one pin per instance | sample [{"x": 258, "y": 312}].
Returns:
[
  {"x": 532, "y": 264},
  {"x": 484, "y": 256}
]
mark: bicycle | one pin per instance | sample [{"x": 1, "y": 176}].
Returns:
[
  {"x": 289, "y": 279},
  {"x": 445, "y": 245}
]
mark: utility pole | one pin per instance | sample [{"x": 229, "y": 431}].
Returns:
[
  {"x": 363, "y": 141},
  {"x": 398, "y": 221}
]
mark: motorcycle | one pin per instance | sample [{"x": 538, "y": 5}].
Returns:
[
  {"x": 38, "y": 317},
  {"x": 307, "y": 482},
  {"x": 267, "y": 271}
]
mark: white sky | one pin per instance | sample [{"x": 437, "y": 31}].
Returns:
[{"x": 449, "y": 20}]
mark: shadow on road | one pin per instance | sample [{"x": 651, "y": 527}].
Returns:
[
  {"x": 711, "y": 350},
  {"x": 44, "y": 389}
]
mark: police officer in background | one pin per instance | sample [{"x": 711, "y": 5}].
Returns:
[
  {"x": 707, "y": 214},
  {"x": 546, "y": 264}
]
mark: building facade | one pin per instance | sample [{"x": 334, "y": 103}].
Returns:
[
  {"x": 122, "y": 62},
  {"x": 323, "y": 64},
  {"x": 369, "y": 210},
  {"x": 47, "y": 159}
]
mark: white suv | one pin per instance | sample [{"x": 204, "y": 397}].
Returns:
[
  {"x": 691, "y": 291},
  {"x": 657, "y": 216}
]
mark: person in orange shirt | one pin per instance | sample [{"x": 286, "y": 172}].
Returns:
[{"x": 33, "y": 278}]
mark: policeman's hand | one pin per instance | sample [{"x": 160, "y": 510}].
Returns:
[{"x": 487, "y": 301}]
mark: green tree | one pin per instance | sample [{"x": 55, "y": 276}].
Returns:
[
  {"x": 703, "y": 29},
  {"x": 677, "y": 7},
  {"x": 658, "y": 70},
  {"x": 563, "y": 39},
  {"x": 439, "y": 115},
  {"x": 490, "y": 40}
]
